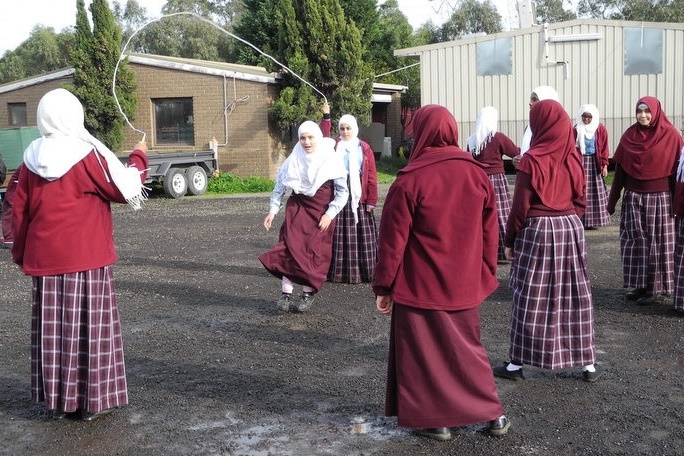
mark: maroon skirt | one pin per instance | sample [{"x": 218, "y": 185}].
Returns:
[
  {"x": 438, "y": 372},
  {"x": 303, "y": 251}
]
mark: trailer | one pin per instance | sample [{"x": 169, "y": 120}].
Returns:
[{"x": 181, "y": 173}]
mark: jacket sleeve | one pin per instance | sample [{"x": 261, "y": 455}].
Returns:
[
  {"x": 395, "y": 227},
  {"x": 615, "y": 189},
  {"x": 602, "y": 151},
  {"x": 522, "y": 200},
  {"x": 20, "y": 216},
  {"x": 100, "y": 176},
  {"x": 371, "y": 172}
]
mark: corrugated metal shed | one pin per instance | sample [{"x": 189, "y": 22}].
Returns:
[{"x": 586, "y": 61}]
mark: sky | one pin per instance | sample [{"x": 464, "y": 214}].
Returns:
[{"x": 17, "y": 21}]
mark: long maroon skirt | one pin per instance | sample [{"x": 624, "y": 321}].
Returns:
[
  {"x": 303, "y": 251},
  {"x": 438, "y": 372},
  {"x": 77, "y": 359}
]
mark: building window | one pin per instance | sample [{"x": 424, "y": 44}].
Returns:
[
  {"x": 17, "y": 114},
  {"x": 495, "y": 57},
  {"x": 173, "y": 121},
  {"x": 643, "y": 51}
]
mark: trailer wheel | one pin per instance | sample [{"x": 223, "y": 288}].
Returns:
[
  {"x": 175, "y": 183},
  {"x": 197, "y": 180}
]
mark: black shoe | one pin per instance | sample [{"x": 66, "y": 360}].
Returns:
[
  {"x": 57, "y": 414},
  {"x": 499, "y": 426},
  {"x": 85, "y": 416},
  {"x": 591, "y": 377},
  {"x": 284, "y": 302},
  {"x": 305, "y": 301},
  {"x": 442, "y": 434},
  {"x": 646, "y": 300},
  {"x": 502, "y": 372},
  {"x": 635, "y": 294}
]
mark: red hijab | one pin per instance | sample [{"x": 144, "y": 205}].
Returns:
[
  {"x": 650, "y": 152},
  {"x": 434, "y": 130},
  {"x": 552, "y": 162}
]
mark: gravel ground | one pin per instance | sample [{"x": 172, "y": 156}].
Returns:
[{"x": 214, "y": 369}]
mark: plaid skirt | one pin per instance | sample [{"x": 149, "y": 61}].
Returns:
[
  {"x": 679, "y": 267},
  {"x": 647, "y": 241},
  {"x": 552, "y": 322},
  {"x": 77, "y": 359},
  {"x": 355, "y": 247},
  {"x": 503, "y": 207},
  {"x": 596, "y": 213}
]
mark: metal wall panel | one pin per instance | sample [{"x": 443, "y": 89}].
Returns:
[{"x": 594, "y": 74}]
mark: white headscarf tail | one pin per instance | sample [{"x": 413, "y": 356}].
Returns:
[
  {"x": 352, "y": 148},
  {"x": 486, "y": 127},
  {"x": 65, "y": 142}
]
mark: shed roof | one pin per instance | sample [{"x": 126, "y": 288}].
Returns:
[{"x": 416, "y": 51}]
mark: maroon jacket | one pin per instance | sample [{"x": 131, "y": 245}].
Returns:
[
  {"x": 439, "y": 235},
  {"x": 65, "y": 225},
  {"x": 602, "y": 152},
  {"x": 369, "y": 173},
  {"x": 493, "y": 152}
]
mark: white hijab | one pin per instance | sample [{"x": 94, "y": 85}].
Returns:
[
  {"x": 352, "y": 150},
  {"x": 65, "y": 142},
  {"x": 303, "y": 172},
  {"x": 542, "y": 93},
  {"x": 586, "y": 131},
  {"x": 485, "y": 128}
]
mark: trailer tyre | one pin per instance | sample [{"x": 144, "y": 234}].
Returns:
[
  {"x": 175, "y": 183},
  {"x": 197, "y": 180}
]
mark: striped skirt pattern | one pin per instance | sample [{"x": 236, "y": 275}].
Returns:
[
  {"x": 596, "y": 213},
  {"x": 647, "y": 241},
  {"x": 77, "y": 359},
  {"x": 503, "y": 207},
  {"x": 552, "y": 321},
  {"x": 355, "y": 247},
  {"x": 679, "y": 267}
]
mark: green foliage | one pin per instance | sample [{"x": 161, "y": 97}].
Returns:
[
  {"x": 388, "y": 167},
  {"x": 42, "y": 52},
  {"x": 633, "y": 10},
  {"x": 229, "y": 183},
  {"x": 471, "y": 17},
  {"x": 550, "y": 11},
  {"x": 319, "y": 44},
  {"x": 96, "y": 53}
]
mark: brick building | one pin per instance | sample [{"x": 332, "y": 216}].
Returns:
[{"x": 184, "y": 103}]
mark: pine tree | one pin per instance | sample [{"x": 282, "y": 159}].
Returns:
[
  {"x": 315, "y": 40},
  {"x": 94, "y": 59}
]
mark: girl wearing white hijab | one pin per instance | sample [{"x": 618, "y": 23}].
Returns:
[
  {"x": 592, "y": 143},
  {"x": 63, "y": 238},
  {"x": 488, "y": 146},
  {"x": 355, "y": 244},
  {"x": 317, "y": 178}
]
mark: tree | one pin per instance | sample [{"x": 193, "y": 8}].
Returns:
[
  {"x": 42, "y": 52},
  {"x": 94, "y": 59},
  {"x": 633, "y": 10},
  {"x": 550, "y": 11},
  {"x": 472, "y": 17},
  {"x": 317, "y": 43},
  {"x": 393, "y": 31}
]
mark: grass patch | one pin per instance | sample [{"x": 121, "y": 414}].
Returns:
[
  {"x": 387, "y": 168},
  {"x": 227, "y": 183}
]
